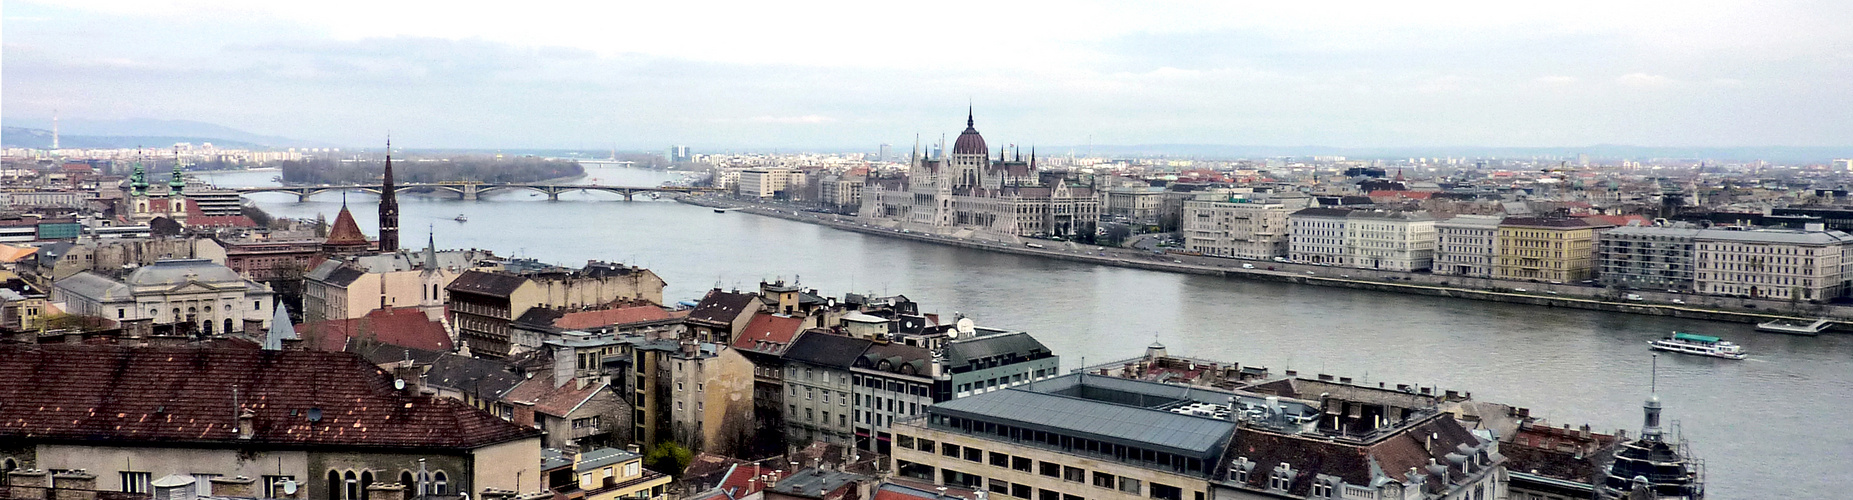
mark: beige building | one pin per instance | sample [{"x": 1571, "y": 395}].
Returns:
[
  {"x": 1231, "y": 226},
  {"x": 1780, "y": 264},
  {"x": 1138, "y": 204},
  {"x": 769, "y": 182},
  {"x": 843, "y": 192},
  {"x": 597, "y": 283},
  {"x": 1551, "y": 249},
  {"x": 711, "y": 397},
  {"x": 614, "y": 474},
  {"x": 1318, "y": 236},
  {"x": 250, "y": 423},
  {"x": 211, "y": 296},
  {"x": 1467, "y": 245},
  {"x": 352, "y": 287},
  {"x": 1393, "y": 241}
]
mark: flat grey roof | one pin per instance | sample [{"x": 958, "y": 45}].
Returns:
[{"x": 1141, "y": 427}]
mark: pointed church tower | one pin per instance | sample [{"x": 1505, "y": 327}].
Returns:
[
  {"x": 345, "y": 237},
  {"x": 280, "y": 329},
  {"x": 176, "y": 198},
  {"x": 389, "y": 207},
  {"x": 139, "y": 211}
]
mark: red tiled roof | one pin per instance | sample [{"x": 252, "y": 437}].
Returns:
[
  {"x": 1412, "y": 195},
  {"x": 769, "y": 333},
  {"x": 607, "y": 317},
  {"x": 172, "y": 395},
  {"x": 557, "y": 401},
  {"x": 345, "y": 231},
  {"x": 399, "y": 326}
]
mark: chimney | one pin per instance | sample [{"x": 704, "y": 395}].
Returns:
[
  {"x": 233, "y": 486},
  {"x": 246, "y": 428},
  {"x": 74, "y": 485},
  {"x": 384, "y": 491},
  {"x": 413, "y": 375},
  {"x": 563, "y": 360},
  {"x": 174, "y": 487}
]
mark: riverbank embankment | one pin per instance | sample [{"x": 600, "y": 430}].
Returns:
[{"x": 1679, "y": 305}]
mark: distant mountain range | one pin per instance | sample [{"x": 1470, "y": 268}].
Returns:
[{"x": 77, "y": 133}]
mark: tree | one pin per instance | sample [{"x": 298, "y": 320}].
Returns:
[{"x": 669, "y": 458}]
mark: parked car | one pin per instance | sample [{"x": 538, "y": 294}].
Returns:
[{"x": 1248, "y": 266}]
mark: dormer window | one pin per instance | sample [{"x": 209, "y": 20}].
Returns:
[{"x": 1322, "y": 490}]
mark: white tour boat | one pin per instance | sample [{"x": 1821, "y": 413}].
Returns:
[{"x": 1703, "y": 345}]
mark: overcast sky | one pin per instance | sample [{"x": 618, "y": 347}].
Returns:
[{"x": 854, "y": 74}]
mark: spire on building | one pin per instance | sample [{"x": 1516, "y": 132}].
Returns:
[
  {"x": 138, "y": 181},
  {"x": 431, "y": 250},
  {"x": 389, "y": 207},
  {"x": 179, "y": 180},
  {"x": 280, "y": 328},
  {"x": 1650, "y": 424}
]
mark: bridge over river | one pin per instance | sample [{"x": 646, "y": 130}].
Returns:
[{"x": 471, "y": 191}]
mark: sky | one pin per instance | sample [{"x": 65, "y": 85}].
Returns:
[{"x": 798, "y": 75}]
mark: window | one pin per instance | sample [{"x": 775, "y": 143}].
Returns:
[
  {"x": 633, "y": 469},
  {"x": 1075, "y": 474},
  {"x": 1000, "y": 487},
  {"x": 999, "y": 459},
  {"x": 1051, "y": 469},
  {"x": 136, "y": 482},
  {"x": 1166, "y": 492},
  {"x": 924, "y": 445},
  {"x": 974, "y": 455},
  {"x": 438, "y": 483},
  {"x": 202, "y": 483},
  {"x": 949, "y": 449},
  {"x": 1066, "y": 496},
  {"x": 1042, "y": 494},
  {"x": 1322, "y": 490},
  {"x": 904, "y": 441},
  {"x": 1103, "y": 480},
  {"x": 1020, "y": 491},
  {"x": 1129, "y": 485},
  {"x": 1020, "y": 463}
]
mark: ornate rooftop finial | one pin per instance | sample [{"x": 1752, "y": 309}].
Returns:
[{"x": 968, "y": 114}]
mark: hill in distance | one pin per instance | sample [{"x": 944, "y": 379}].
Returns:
[{"x": 80, "y": 133}]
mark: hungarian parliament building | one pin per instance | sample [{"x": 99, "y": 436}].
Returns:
[{"x": 971, "y": 194}]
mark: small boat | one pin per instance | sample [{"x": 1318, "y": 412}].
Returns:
[
  {"x": 1794, "y": 327},
  {"x": 461, "y": 218},
  {"x": 725, "y": 210},
  {"x": 1703, "y": 345}
]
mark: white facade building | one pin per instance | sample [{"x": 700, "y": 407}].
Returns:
[
  {"x": 1467, "y": 245},
  {"x": 1781, "y": 264},
  {"x": 1319, "y": 236},
  {"x": 767, "y": 182},
  {"x": 171, "y": 291},
  {"x": 1231, "y": 226}
]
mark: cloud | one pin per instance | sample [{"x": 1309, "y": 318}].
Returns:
[{"x": 1643, "y": 80}]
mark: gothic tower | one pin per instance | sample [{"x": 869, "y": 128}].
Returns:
[{"x": 389, "y": 208}]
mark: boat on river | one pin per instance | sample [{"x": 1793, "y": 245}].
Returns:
[
  {"x": 725, "y": 210},
  {"x": 461, "y": 218},
  {"x": 1702, "y": 345},
  {"x": 1794, "y": 327}
]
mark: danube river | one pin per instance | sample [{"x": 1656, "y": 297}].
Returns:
[{"x": 1767, "y": 427}]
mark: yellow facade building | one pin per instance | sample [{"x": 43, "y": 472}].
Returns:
[{"x": 1545, "y": 249}]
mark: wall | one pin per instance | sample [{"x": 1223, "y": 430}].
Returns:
[
  {"x": 514, "y": 465},
  {"x": 106, "y": 462}
]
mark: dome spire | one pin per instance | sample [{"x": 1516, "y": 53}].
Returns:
[{"x": 968, "y": 114}]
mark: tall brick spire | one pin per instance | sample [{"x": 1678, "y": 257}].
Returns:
[{"x": 389, "y": 207}]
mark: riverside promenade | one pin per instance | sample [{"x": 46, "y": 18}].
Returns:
[{"x": 1576, "y": 296}]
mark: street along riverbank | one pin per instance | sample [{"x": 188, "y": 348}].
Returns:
[{"x": 1515, "y": 292}]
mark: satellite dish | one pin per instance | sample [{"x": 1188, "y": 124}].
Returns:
[
  {"x": 965, "y": 326},
  {"x": 289, "y": 487},
  {"x": 398, "y": 383},
  {"x": 315, "y": 414}
]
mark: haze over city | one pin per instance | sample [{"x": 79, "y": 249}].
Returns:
[{"x": 779, "y": 75}]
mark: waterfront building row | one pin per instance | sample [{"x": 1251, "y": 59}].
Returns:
[{"x": 1782, "y": 264}]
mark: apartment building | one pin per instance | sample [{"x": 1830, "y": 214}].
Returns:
[
  {"x": 1137, "y": 204},
  {"x": 769, "y": 182},
  {"x": 1648, "y": 257},
  {"x": 1318, "y": 236},
  {"x": 818, "y": 388},
  {"x": 1547, "y": 249},
  {"x": 1231, "y": 226},
  {"x": 1394, "y": 241},
  {"x": 1780, "y": 264},
  {"x": 1370, "y": 239},
  {"x": 1467, "y": 245}
]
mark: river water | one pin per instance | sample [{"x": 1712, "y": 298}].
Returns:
[{"x": 1767, "y": 427}]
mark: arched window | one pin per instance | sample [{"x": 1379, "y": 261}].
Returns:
[
  {"x": 353, "y": 486},
  {"x": 6, "y": 466},
  {"x": 206, "y": 327},
  {"x": 438, "y": 483},
  {"x": 366, "y": 479},
  {"x": 228, "y": 325},
  {"x": 405, "y": 479},
  {"x": 334, "y": 485}
]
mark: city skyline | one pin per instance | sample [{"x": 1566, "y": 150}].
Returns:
[{"x": 741, "y": 77}]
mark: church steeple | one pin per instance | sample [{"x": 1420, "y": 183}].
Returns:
[{"x": 389, "y": 207}]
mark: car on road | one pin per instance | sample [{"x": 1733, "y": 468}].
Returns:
[
  {"x": 1310, "y": 273},
  {"x": 1680, "y": 302},
  {"x": 1519, "y": 290},
  {"x": 1248, "y": 266},
  {"x": 1633, "y": 296}
]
